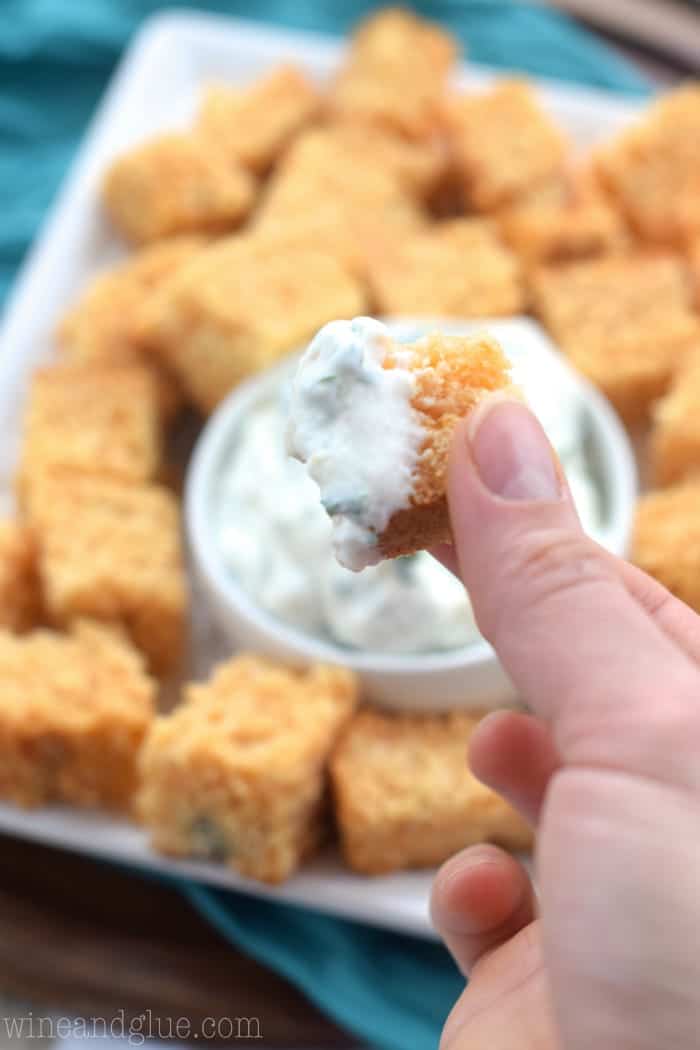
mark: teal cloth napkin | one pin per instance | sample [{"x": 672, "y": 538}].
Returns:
[{"x": 56, "y": 56}]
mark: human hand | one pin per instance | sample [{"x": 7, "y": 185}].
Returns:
[{"x": 607, "y": 766}]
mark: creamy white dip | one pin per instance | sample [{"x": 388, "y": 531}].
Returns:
[
  {"x": 278, "y": 541},
  {"x": 352, "y": 423}
]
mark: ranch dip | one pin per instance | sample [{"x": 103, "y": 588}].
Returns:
[
  {"x": 277, "y": 539},
  {"x": 352, "y": 423}
]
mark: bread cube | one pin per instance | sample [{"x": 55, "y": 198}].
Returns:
[
  {"x": 625, "y": 322},
  {"x": 666, "y": 539},
  {"x": 240, "y": 306},
  {"x": 419, "y": 165},
  {"x": 337, "y": 196},
  {"x": 73, "y": 712},
  {"x": 458, "y": 268},
  {"x": 102, "y": 325},
  {"x": 420, "y": 391},
  {"x": 504, "y": 144},
  {"x": 237, "y": 772},
  {"x": 565, "y": 219},
  {"x": 176, "y": 183},
  {"x": 100, "y": 419},
  {"x": 20, "y": 593},
  {"x": 394, "y": 34},
  {"x": 111, "y": 551},
  {"x": 99, "y": 326},
  {"x": 253, "y": 124},
  {"x": 653, "y": 168},
  {"x": 404, "y": 797},
  {"x": 395, "y": 74}
]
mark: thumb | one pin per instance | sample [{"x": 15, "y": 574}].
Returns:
[{"x": 583, "y": 654}]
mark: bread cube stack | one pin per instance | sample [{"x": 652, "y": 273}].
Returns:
[
  {"x": 92, "y": 587},
  {"x": 282, "y": 206}
]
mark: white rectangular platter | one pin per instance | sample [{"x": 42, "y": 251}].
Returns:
[{"x": 156, "y": 87}]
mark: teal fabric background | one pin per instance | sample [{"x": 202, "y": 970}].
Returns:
[
  {"x": 393, "y": 991},
  {"x": 55, "y": 59}
]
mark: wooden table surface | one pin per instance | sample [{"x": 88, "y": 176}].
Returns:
[{"x": 84, "y": 939}]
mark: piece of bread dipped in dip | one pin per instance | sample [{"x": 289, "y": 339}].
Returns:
[{"x": 372, "y": 418}]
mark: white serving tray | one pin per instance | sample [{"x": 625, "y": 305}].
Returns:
[{"x": 156, "y": 87}]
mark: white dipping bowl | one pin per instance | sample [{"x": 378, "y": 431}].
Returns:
[{"x": 469, "y": 677}]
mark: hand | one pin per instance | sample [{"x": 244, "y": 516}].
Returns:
[{"x": 607, "y": 766}]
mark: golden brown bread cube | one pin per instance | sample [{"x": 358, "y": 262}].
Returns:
[
  {"x": 653, "y": 168},
  {"x": 238, "y": 772},
  {"x": 176, "y": 183},
  {"x": 20, "y": 592},
  {"x": 675, "y": 436},
  {"x": 394, "y": 34},
  {"x": 453, "y": 373},
  {"x": 458, "y": 268},
  {"x": 101, "y": 419},
  {"x": 395, "y": 74},
  {"x": 404, "y": 797},
  {"x": 240, "y": 306},
  {"x": 666, "y": 539},
  {"x": 332, "y": 194},
  {"x": 625, "y": 322},
  {"x": 111, "y": 551},
  {"x": 419, "y": 165},
  {"x": 253, "y": 124},
  {"x": 504, "y": 144},
  {"x": 420, "y": 392},
  {"x": 101, "y": 326},
  {"x": 566, "y": 219},
  {"x": 73, "y": 712}
]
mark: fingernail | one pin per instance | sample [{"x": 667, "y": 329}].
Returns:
[
  {"x": 512, "y": 452},
  {"x": 479, "y": 855}
]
